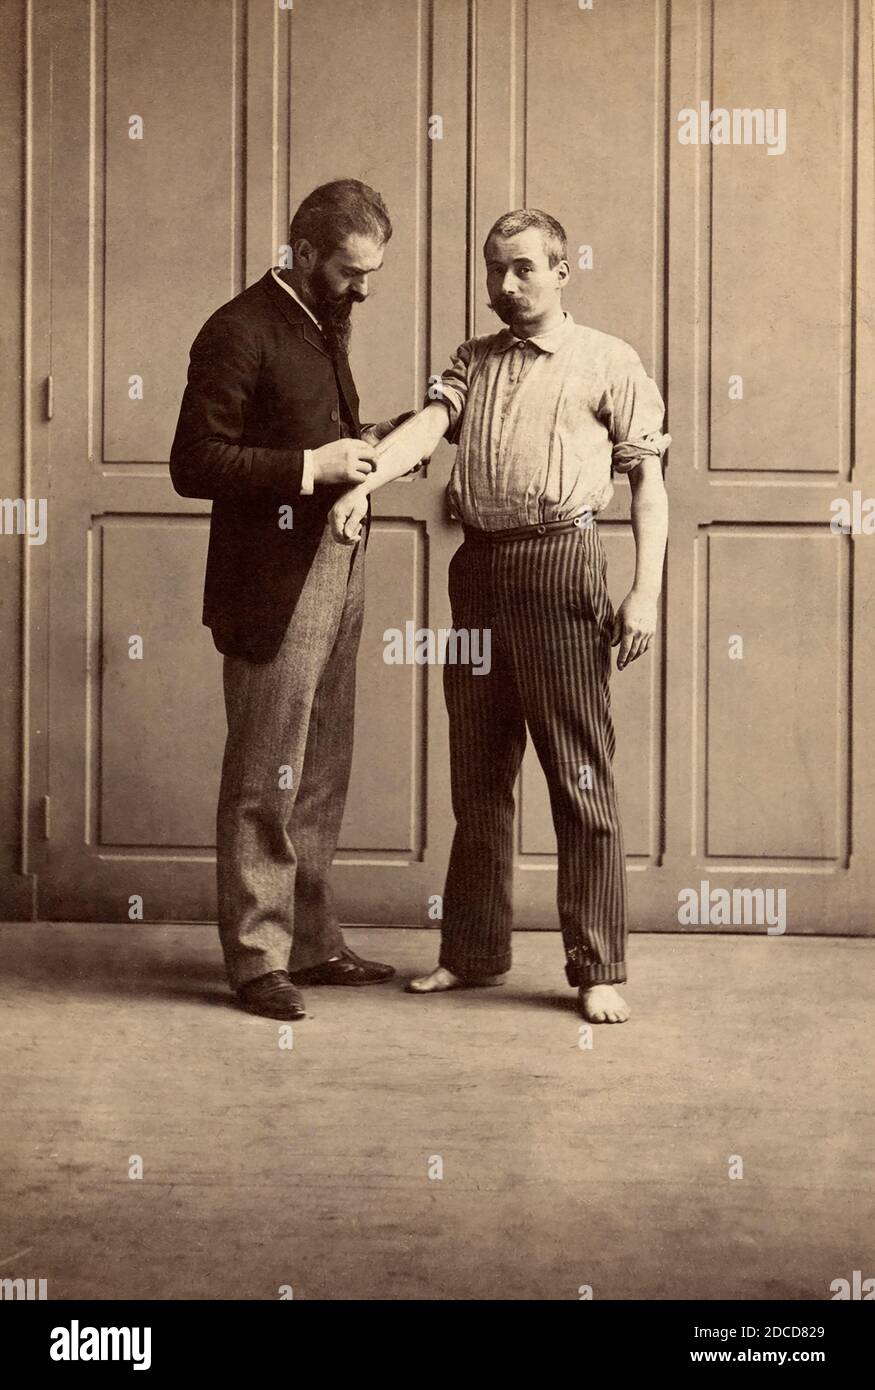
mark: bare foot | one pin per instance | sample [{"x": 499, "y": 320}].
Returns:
[
  {"x": 602, "y": 1004},
  {"x": 442, "y": 979}
]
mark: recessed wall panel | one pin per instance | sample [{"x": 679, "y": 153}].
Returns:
[
  {"x": 358, "y": 82},
  {"x": 781, "y": 237},
  {"x": 777, "y": 652},
  {"x": 172, "y": 206},
  {"x": 160, "y": 715},
  {"x": 593, "y": 152}
]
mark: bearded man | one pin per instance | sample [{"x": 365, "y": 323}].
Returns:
[{"x": 269, "y": 432}]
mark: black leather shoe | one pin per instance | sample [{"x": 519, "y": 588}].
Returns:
[
  {"x": 272, "y": 995},
  {"x": 349, "y": 969}
]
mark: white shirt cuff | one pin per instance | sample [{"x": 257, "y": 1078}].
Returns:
[{"x": 307, "y": 475}]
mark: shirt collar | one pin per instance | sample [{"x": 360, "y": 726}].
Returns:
[
  {"x": 288, "y": 289},
  {"x": 546, "y": 342}
]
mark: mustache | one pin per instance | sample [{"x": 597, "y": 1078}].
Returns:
[
  {"x": 502, "y": 305},
  {"x": 348, "y": 297}
]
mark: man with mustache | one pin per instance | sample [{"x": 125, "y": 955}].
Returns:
[
  {"x": 544, "y": 412},
  {"x": 269, "y": 432}
]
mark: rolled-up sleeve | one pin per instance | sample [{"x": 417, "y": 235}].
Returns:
[
  {"x": 633, "y": 412},
  {"x": 451, "y": 388}
]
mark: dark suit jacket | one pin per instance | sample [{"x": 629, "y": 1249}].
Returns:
[{"x": 262, "y": 387}]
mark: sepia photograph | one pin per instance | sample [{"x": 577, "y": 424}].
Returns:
[{"x": 437, "y": 541}]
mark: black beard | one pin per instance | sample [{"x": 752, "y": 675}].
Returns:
[
  {"x": 336, "y": 325},
  {"x": 332, "y": 313}
]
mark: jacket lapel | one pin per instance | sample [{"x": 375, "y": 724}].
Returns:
[
  {"x": 310, "y": 332},
  {"x": 297, "y": 317}
]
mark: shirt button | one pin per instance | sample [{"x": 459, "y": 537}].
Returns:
[{"x": 335, "y": 414}]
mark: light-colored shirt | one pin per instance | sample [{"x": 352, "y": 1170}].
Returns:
[
  {"x": 541, "y": 422},
  {"x": 307, "y": 475},
  {"x": 296, "y": 297}
]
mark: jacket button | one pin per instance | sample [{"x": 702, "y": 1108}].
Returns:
[
  {"x": 541, "y": 530},
  {"x": 335, "y": 414}
]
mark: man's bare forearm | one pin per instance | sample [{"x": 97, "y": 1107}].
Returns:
[
  {"x": 650, "y": 529},
  {"x": 403, "y": 449}
]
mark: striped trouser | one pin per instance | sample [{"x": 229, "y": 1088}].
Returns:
[{"x": 545, "y": 601}]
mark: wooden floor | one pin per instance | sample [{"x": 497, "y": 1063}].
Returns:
[{"x": 562, "y": 1167}]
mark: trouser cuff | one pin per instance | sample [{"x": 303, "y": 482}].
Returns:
[
  {"x": 306, "y": 957},
  {"x": 244, "y": 972},
  {"x": 592, "y": 973},
  {"x": 474, "y": 967}
]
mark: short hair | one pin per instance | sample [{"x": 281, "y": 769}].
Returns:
[
  {"x": 552, "y": 232},
  {"x": 336, "y": 210}
]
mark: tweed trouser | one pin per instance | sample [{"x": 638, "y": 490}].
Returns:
[
  {"x": 285, "y": 776},
  {"x": 546, "y": 602}
]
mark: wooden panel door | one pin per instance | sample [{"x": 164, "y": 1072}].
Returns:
[
  {"x": 394, "y": 839},
  {"x": 743, "y": 768},
  {"x": 769, "y": 772},
  {"x": 600, "y": 80},
  {"x": 138, "y": 128},
  {"x": 174, "y": 144}
]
